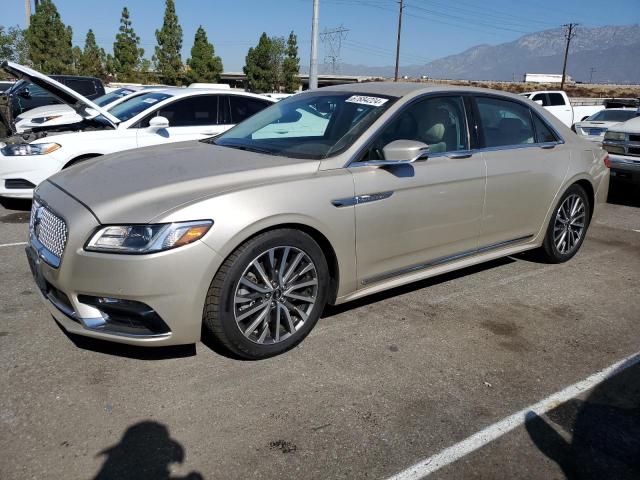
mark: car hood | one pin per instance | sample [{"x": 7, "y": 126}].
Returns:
[
  {"x": 138, "y": 186},
  {"x": 63, "y": 93},
  {"x": 630, "y": 126},
  {"x": 45, "y": 111}
]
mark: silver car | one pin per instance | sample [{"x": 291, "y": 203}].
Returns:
[{"x": 252, "y": 232}]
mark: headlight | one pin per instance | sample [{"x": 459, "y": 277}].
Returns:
[
  {"x": 24, "y": 149},
  {"x": 40, "y": 120},
  {"x": 614, "y": 136},
  {"x": 147, "y": 238}
]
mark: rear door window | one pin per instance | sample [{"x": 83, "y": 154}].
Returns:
[
  {"x": 189, "y": 112},
  {"x": 242, "y": 108},
  {"x": 504, "y": 122},
  {"x": 556, "y": 99},
  {"x": 543, "y": 132},
  {"x": 84, "y": 86}
]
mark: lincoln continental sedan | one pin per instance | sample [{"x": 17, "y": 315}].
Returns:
[{"x": 325, "y": 197}]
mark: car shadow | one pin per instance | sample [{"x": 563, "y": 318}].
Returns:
[
  {"x": 129, "y": 351},
  {"x": 626, "y": 194},
  {"x": 598, "y": 437},
  {"x": 18, "y": 204},
  {"x": 331, "y": 310},
  {"x": 146, "y": 450}
]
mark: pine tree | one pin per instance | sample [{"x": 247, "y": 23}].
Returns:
[
  {"x": 49, "y": 40},
  {"x": 93, "y": 59},
  {"x": 204, "y": 65},
  {"x": 258, "y": 66},
  {"x": 291, "y": 66},
  {"x": 167, "y": 57},
  {"x": 13, "y": 46},
  {"x": 76, "y": 60},
  {"x": 126, "y": 52}
]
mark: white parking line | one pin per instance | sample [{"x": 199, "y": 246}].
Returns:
[
  {"x": 12, "y": 244},
  {"x": 636, "y": 230},
  {"x": 483, "y": 437}
]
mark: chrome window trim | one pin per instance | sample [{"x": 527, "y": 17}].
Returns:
[
  {"x": 473, "y": 95},
  {"x": 441, "y": 260}
]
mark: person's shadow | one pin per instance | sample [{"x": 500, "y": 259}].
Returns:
[
  {"x": 145, "y": 451},
  {"x": 603, "y": 431}
]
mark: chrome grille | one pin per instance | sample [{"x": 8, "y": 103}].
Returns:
[{"x": 49, "y": 229}]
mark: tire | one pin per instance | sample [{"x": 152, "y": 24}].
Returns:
[
  {"x": 563, "y": 224},
  {"x": 234, "y": 305}
]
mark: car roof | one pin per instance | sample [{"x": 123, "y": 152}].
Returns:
[
  {"x": 405, "y": 89},
  {"x": 186, "y": 91}
]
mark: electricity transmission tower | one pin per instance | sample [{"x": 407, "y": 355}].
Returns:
[
  {"x": 569, "y": 33},
  {"x": 332, "y": 41}
]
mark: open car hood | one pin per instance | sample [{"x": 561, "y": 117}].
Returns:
[{"x": 63, "y": 93}]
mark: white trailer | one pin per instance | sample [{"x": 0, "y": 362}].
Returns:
[{"x": 545, "y": 78}]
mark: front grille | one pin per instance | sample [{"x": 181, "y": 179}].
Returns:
[
  {"x": 17, "y": 183},
  {"x": 634, "y": 138},
  {"x": 49, "y": 229}
]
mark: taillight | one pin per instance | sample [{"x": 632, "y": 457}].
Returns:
[{"x": 607, "y": 162}]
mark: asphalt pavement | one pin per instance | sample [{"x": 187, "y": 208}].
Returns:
[{"x": 379, "y": 385}]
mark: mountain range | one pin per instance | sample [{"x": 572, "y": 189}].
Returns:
[{"x": 611, "y": 51}]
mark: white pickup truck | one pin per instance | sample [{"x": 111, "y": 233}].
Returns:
[{"x": 558, "y": 103}]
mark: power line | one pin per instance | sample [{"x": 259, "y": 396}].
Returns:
[{"x": 332, "y": 40}]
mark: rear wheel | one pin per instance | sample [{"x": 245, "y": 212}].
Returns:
[
  {"x": 268, "y": 294},
  {"x": 567, "y": 226}
]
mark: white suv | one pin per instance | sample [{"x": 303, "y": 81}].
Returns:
[{"x": 151, "y": 118}]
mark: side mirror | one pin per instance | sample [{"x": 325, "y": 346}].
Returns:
[
  {"x": 158, "y": 123},
  {"x": 539, "y": 102},
  {"x": 405, "y": 151},
  {"x": 25, "y": 93}
]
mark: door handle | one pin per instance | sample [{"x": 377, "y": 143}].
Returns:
[
  {"x": 548, "y": 145},
  {"x": 459, "y": 154},
  {"x": 209, "y": 132}
]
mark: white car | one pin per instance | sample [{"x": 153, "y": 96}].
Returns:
[
  {"x": 559, "y": 103},
  {"x": 152, "y": 118},
  {"x": 61, "y": 114},
  {"x": 594, "y": 127}
]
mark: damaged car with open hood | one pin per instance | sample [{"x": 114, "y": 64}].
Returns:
[{"x": 155, "y": 117}]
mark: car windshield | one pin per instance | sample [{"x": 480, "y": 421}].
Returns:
[
  {"x": 312, "y": 125},
  {"x": 133, "y": 106},
  {"x": 112, "y": 96},
  {"x": 612, "y": 116}
]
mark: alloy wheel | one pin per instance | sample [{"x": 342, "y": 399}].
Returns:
[
  {"x": 275, "y": 295},
  {"x": 569, "y": 224}
]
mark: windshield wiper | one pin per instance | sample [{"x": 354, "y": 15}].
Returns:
[{"x": 247, "y": 148}]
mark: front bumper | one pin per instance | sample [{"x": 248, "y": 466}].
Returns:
[
  {"x": 173, "y": 284},
  {"x": 29, "y": 168}
]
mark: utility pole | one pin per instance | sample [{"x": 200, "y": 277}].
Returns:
[
  {"x": 591, "y": 70},
  {"x": 313, "y": 67},
  {"x": 568, "y": 34},
  {"x": 27, "y": 11},
  {"x": 398, "y": 41}
]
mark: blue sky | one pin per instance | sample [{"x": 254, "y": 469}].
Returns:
[{"x": 431, "y": 28}]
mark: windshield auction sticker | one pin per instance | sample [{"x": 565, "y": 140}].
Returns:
[{"x": 365, "y": 100}]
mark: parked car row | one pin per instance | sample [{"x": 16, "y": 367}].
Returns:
[
  {"x": 622, "y": 141},
  {"x": 142, "y": 118}
]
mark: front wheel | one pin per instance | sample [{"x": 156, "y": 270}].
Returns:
[
  {"x": 567, "y": 226},
  {"x": 268, "y": 294}
]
